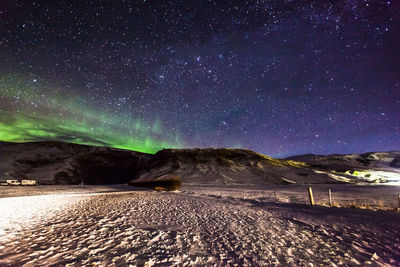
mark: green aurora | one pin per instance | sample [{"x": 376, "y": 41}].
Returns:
[{"x": 27, "y": 114}]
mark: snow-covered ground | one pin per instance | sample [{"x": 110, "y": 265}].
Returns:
[
  {"x": 197, "y": 226},
  {"x": 377, "y": 177}
]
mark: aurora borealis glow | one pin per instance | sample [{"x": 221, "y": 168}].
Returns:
[
  {"x": 277, "y": 77},
  {"x": 33, "y": 113}
]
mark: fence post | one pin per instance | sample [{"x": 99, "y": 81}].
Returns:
[
  {"x": 311, "y": 196},
  {"x": 398, "y": 205},
  {"x": 330, "y": 197}
]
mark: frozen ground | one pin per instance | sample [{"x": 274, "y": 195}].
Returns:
[
  {"x": 197, "y": 226},
  {"x": 17, "y": 191}
]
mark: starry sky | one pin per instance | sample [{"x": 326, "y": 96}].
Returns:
[{"x": 278, "y": 77}]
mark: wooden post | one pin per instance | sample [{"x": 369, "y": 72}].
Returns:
[
  {"x": 398, "y": 205},
  {"x": 311, "y": 196},
  {"x": 330, "y": 197}
]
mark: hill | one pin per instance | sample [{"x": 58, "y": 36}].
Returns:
[
  {"x": 377, "y": 167},
  {"x": 64, "y": 163},
  {"x": 228, "y": 167},
  {"x": 344, "y": 162}
]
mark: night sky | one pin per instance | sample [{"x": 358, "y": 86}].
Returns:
[{"x": 278, "y": 77}]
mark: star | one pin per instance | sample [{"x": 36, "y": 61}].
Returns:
[{"x": 278, "y": 78}]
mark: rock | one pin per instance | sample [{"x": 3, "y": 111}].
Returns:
[{"x": 395, "y": 163}]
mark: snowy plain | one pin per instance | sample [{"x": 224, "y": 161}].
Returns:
[{"x": 197, "y": 226}]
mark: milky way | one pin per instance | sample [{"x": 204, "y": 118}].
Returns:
[{"x": 278, "y": 77}]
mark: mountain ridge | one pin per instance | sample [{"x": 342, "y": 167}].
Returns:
[
  {"x": 52, "y": 162},
  {"x": 342, "y": 162}
]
